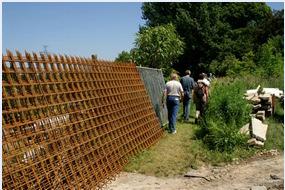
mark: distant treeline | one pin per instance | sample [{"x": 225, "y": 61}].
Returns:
[{"x": 222, "y": 38}]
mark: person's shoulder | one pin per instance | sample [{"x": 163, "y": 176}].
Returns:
[
  {"x": 174, "y": 82},
  {"x": 206, "y": 82},
  {"x": 168, "y": 82},
  {"x": 178, "y": 83}
]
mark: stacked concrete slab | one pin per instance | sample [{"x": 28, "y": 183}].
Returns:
[
  {"x": 263, "y": 105},
  {"x": 263, "y": 100}
]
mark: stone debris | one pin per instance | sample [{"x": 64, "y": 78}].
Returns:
[
  {"x": 258, "y": 129},
  {"x": 255, "y": 142},
  {"x": 245, "y": 129},
  {"x": 263, "y": 99},
  {"x": 260, "y": 115},
  {"x": 275, "y": 91},
  {"x": 263, "y": 105},
  {"x": 258, "y": 188}
]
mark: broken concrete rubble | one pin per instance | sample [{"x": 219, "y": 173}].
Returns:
[
  {"x": 260, "y": 115},
  {"x": 253, "y": 141},
  {"x": 258, "y": 129},
  {"x": 245, "y": 129},
  {"x": 263, "y": 105},
  {"x": 273, "y": 91}
]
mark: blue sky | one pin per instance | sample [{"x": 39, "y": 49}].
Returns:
[
  {"x": 78, "y": 29},
  {"x": 71, "y": 28}
]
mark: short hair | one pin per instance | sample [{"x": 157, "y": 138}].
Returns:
[
  {"x": 201, "y": 76},
  {"x": 174, "y": 76},
  {"x": 188, "y": 72}
]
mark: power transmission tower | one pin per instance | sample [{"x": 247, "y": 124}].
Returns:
[{"x": 45, "y": 51}]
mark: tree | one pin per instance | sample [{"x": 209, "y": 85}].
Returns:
[
  {"x": 125, "y": 57},
  {"x": 211, "y": 31},
  {"x": 158, "y": 47},
  {"x": 270, "y": 58}
]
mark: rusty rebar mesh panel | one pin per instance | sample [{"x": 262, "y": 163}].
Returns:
[{"x": 70, "y": 122}]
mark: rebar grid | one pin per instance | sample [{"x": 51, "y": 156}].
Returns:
[{"x": 71, "y": 122}]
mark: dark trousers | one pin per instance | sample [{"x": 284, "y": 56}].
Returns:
[
  {"x": 186, "y": 108},
  {"x": 172, "y": 103}
]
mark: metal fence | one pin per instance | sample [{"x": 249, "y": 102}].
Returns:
[
  {"x": 154, "y": 83},
  {"x": 70, "y": 122}
]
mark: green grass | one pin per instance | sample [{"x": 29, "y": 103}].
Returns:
[
  {"x": 175, "y": 154},
  {"x": 171, "y": 156}
]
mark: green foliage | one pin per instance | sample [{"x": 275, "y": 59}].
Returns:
[
  {"x": 124, "y": 57},
  {"x": 158, "y": 47},
  {"x": 216, "y": 31},
  {"x": 222, "y": 137},
  {"x": 270, "y": 59},
  {"x": 233, "y": 66},
  {"x": 226, "y": 113}
]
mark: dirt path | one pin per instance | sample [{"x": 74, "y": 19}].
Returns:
[{"x": 263, "y": 170}]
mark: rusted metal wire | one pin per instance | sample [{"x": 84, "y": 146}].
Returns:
[{"x": 71, "y": 122}]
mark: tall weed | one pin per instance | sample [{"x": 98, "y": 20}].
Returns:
[{"x": 226, "y": 113}]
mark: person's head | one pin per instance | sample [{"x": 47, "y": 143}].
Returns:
[
  {"x": 201, "y": 76},
  {"x": 174, "y": 76},
  {"x": 200, "y": 83},
  {"x": 187, "y": 72}
]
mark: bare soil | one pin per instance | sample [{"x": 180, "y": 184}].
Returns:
[{"x": 265, "y": 169}]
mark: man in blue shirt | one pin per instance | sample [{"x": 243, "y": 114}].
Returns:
[{"x": 188, "y": 85}]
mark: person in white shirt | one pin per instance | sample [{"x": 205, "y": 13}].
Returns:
[{"x": 173, "y": 93}]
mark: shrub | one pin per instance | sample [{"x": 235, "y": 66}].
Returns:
[
  {"x": 226, "y": 113},
  {"x": 270, "y": 58}
]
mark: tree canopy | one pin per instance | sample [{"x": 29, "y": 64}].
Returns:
[
  {"x": 214, "y": 32},
  {"x": 158, "y": 47}
]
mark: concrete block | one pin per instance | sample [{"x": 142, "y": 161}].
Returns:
[
  {"x": 260, "y": 115},
  {"x": 255, "y": 100},
  {"x": 251, "y": 92},
  {"x": 255, "y": 142},
  {"x": 278, "y": 93},
  {"x": 265, "y": 97},
  {"x": 256, "y": 107},
  {"x": 258, "y": 129},
  {"x": 269, "y": 112},
  {"x": 245, "y": 129}
]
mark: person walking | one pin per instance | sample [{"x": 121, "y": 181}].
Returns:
[
  {"x": 173, "y": 92},
  {"x": 188, "y": 85},
  {"x": 201, "y": 96}
]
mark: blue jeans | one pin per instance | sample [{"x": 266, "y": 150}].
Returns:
[
  {"x": 172, "y": 103},
  {"x": 186, "y": 108}
]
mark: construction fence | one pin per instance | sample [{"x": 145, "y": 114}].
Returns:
[
  {"x": 154, "y": 83},
  {"x": 71, "y": 122}
]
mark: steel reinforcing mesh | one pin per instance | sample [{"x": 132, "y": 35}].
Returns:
[{"x": 71, "y": 122}]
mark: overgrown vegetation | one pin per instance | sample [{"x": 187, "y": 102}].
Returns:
[
  {"x": 216, "y": 140},
  {"x": 226, "y": 113},
  {"x": 240, "y": 42}
]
